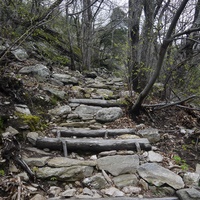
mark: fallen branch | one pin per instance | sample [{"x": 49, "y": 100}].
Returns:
[
  {"x": 163, "y": 105},
  {"x": 11, "y": 152},
  {"x": 188, "y": 108}
]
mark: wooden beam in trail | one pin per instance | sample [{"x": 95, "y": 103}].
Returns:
[
  {"x": 66, "y": 132},
  {"x": 97, "y": 102},
  {"x": 124, "y": 198},
  {"x": 93, "y": 145}
]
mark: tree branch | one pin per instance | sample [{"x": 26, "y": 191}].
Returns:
[{"x": 162, "y": 106}]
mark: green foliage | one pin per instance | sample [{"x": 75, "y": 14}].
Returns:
[
  {"x": 54, "y": 100},
  {"x": 177, "y": 159},
  {"x": 49, "y": 47},
  {"x": 35, "y": 169},
  {"x": 180, "y": 162},
  {"x": 184, "y": 147},
  {"x": 32, "y": 121},
  {"x": 2, "y": 172},
  {"x": 53, "y": 178}
]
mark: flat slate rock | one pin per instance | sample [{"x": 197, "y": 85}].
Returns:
[
  {"x": 158, "y": 175},
  {"x": 188, "y": 194},
  {"x": 118, "y": 164}
]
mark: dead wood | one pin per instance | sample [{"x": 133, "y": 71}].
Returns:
[
  {"x": 164, "y": 105},
  {"x": 65, "y": 132},
  {"x": 11, "y": 152},
  {"x": 93, "y": 145},
  {"x": 128, "y": 198}
]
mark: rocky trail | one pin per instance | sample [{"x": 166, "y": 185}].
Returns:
[{"x": 91, "y": 148}]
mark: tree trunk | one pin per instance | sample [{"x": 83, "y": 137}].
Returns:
[
  {"x": 135, "y": 10},
  {"x": 163, "y": 49},
  {"x": 72, "y": 67},
  {"x": 87, "y": 34},
  {"x": 146, "y": 44}
]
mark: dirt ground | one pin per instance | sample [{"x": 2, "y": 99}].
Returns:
[{"x": 179, "y": 129}]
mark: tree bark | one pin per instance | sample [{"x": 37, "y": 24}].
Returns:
[
  {"x": 163, "y": 49},
  {"x": 66, "y": 132},
  {"x": 135, "y": 10},
  {"x": 87, "y": 34},
  {"x": 146, "y": 45},
  {"x": 72, "y": 66},
  {"x": 93, "y": 145}
]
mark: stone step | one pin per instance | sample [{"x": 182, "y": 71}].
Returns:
[
  {"x": 81, "y": 132},
  {"x": 98, "y": 102}
]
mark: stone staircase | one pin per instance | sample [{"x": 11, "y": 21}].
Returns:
[
  {"x": 92, "y": 159},
  {"x": 93, "y": 139},
  {"x": 113, "y": 153}
]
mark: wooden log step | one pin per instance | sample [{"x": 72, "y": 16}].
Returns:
[
  {"x": 97, "y": 102},
  {"x": 93, "y": 145},
  {"x": 124, "y": 198},
  {"x": 66, "y": 132}
]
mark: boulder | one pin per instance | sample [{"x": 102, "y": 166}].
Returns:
[
  {"x": 87, "y": 112},
  {"x": 61, "y": 110},
  {"x": 73, "y": 173},
  {"x": 188, "y": 194},
  {"x": 125, "y": 180},
  {"x": 65, "y": 78},
  {"x": 150, "y": 133},
  {"x": 154, "y": 157},
  {"x": 20, "y": 53},
  {"x": 109, "y": 114},
  {"x": 191, "y": 179},
  {"x": 68, "y": 162},
  {"x": 36, "y": 70},
  {"x": 158, "y": 175},
  {"x": 118, "y": 164},
  {"x": 97, "y": 181}
]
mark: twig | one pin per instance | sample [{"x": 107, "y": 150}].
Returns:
[{"x": 186, "y": 107}]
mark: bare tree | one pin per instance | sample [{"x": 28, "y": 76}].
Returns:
[
  {"x": 87, "y": 34},
  {"x": 146, "y": 43},
  {"x": 135, "y": 10},
  {"x": 168, "y": 39}
]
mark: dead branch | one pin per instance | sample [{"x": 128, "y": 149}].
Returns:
[
  {"x": 188, "y": 108},
  {"x": 163, "y": 105},
  {"x": 11, "y": 152}
]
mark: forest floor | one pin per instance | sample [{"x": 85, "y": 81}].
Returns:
[
  {"x": 179, "y": 128},
  {"x": 180, "y": 133}
]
